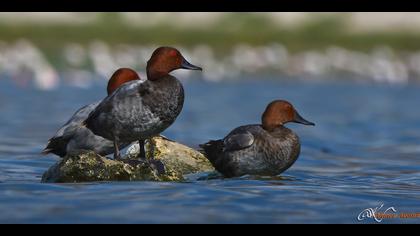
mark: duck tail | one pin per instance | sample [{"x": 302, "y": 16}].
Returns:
[
  {"x": 56, "y": 146},
  {"x": 46, "y": 151},
  {"x": 212, "y": 150}
]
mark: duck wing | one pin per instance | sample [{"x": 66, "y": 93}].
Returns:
[
  {"x": 125, "y": 91},
  {"x": 76, "y": 120},
  {"x": 238, "y": 141},
  {"x": 58, "y": 143}
]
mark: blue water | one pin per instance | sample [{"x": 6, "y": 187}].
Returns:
[{"x": 363, "y": 151}]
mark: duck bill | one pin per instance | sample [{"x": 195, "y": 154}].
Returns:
[
  {"x": 186, "y": 65},
  {"x": 299, "y": 119}
]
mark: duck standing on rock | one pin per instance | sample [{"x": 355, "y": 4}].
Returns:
[
  {"x": 72, "y": 136},
  {"x": 140, "y": 110},
  {"x": 267, "y": 149}
]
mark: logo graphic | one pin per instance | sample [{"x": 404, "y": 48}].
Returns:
[{"x": 376, "y": 214}]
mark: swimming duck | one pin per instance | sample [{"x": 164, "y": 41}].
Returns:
[
  {"x": 140, "y": 110},
  {"x": 72, "y": 136},
  {"x": 259, "y": 149}
]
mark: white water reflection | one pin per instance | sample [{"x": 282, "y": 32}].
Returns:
[{"x": 25, "y": 64}]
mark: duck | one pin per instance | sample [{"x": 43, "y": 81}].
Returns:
[
  {"x": 265, "y": 149},
  {"x": 73, "y": 137},
  {"x": 140, "y": 110}
]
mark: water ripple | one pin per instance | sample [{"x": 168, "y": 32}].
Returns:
[{"x": 363, "y": 151}]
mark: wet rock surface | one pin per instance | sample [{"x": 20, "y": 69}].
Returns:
[{"x": 87, "y": 166}]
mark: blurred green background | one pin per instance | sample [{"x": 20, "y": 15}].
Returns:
[
  {"x": 297, "y": 31},
  {"x": 379, "y": 46}
]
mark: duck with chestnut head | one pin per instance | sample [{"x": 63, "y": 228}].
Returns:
[
  {"x": 72, "y": 136},
  {"x": 265, "y": 149},
  {"x": 141, "y": 110}
]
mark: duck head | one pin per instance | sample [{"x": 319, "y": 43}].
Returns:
[
  {"x": 165, "y": 60},
  {"x": 280, "y": 112},
  {"x": 120, "y": 77}
]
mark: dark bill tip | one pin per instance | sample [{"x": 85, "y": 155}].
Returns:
[
  {"x": 186, "y": 65},
  {"x": 299, "y": 119}
]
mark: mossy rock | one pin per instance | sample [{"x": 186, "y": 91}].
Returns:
[{"x": 87, "y": 166}]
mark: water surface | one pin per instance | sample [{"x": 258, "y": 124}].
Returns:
[{"x": 363, "y": 151}]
